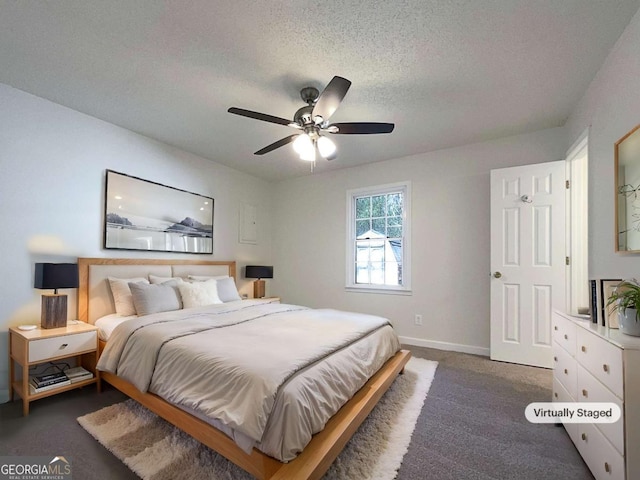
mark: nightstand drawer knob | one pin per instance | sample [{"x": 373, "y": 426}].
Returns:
[
  {"x": 555, "y": 359},
  {"x": 566, "y": 337},
  {"x": 566, "y": 372},
  {"x": 584, "y": 393},
  {"x": 63, "y": 346},
  {"x": 555, "y": 328},
  {"x": 605, "y": 367},
  {"x": 584, "y": 437},
  {"x": 606, "y": 467},
  {"x": 584, "y": 349}
]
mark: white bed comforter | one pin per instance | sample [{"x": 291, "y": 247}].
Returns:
[{"x": 227, "y": 362}]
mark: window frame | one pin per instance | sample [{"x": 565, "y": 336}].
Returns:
[{"x": 352, "y": 195}]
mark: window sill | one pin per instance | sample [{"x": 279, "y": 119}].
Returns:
[{"x": 383, "y": 291}]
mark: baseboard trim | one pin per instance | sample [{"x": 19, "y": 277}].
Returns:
[{"x": 454, "y": 347}]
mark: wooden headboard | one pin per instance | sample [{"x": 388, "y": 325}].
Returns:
[{"x": 94, "y": 294}]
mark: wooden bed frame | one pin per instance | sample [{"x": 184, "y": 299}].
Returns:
[{"x": 323, "y": 448}]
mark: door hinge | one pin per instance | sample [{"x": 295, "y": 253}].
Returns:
[
  {"x": 566, "y": 183},
  {"x": 566, "y": 260}
]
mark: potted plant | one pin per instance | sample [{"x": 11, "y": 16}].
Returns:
[{"x": 626, "y": 300}]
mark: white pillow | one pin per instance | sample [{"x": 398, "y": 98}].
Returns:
[
  {"x": 122, "y": 294},
  {"x": 155, "y": 280},
  {"x": 199, "y": 294}
]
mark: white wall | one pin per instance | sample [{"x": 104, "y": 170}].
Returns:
[
  {"x": 611, "y": 107},
  {"x": 450, "y": 234},
  {"x": 52, "y": 167}
]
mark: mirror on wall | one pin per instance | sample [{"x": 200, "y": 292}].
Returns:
[{"x": 627, "y": 168}]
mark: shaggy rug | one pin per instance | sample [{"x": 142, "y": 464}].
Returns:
[{"x": 156, "y": 450}]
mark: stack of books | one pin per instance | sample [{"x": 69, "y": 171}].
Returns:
[
  {"x": 42, "y": 383},
  {"x": 78, "y": 374}
]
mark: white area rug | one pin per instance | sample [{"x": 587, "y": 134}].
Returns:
[{"x": 156, "y": 450}]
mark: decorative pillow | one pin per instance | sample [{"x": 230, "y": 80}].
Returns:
[
  {"x": 199, "y": 294},
  {"x": 154, "y": 279},
  {"x": 122, "y": 294},
  {"x": 149, "y": 299},
  {"x": 227, "y": 290},
  {"x": 204, "y": 278}
]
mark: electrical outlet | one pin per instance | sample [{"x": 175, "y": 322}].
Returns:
[{"x": 418, "y": 319}]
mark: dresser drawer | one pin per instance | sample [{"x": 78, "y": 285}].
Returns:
[
  {"x": 64, "y": 345},
  {"x": 564, "y": 333},
  {"x": 591, "y": 390},
  {"x": 565, "y": 370},
  {"x": 603, "y": 460},
  {"x": 560, "y": 394},
  {"x": 602, "y": 359}
]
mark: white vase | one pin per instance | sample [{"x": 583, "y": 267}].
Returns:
[{"x": 629, "y": 323}]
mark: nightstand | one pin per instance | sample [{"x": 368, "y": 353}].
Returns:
[{"x": 34, "y": 347}]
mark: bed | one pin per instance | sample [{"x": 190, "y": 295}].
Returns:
[{"x": 264, "y": 456}]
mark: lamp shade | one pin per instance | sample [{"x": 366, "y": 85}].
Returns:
[
  {"x": 257, "y": 271},
  {"x": 56, "y": 275}
]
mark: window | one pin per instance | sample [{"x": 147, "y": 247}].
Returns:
[{"x": 378, "y": 239}]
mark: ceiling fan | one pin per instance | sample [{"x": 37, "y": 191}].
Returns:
[{"x": 312, "y": 121}]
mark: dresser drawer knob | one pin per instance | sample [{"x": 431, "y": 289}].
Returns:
[
  {"x": 64, "y": 345},
  {"x": 566, "y": 337},
  {"x": 555, "y": 328},
  {"x": 555, "y": 394},
  {"x": 584, "y": 393},
  {"x": 584, "y": 437},
  {"x": 605, "y": 367},
  {"x": 584, "y": 349},
  {"x": 555, "y": 359},
  {"x": 566, "y": 372},
  {"x": 607, "y": 468}
]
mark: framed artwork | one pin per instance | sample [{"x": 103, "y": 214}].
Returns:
[
  {"x": 144, "y": 215},
  {"x": 609, "y": 315}
]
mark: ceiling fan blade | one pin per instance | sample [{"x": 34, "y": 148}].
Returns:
[
  {"x": 360, "y": 128},
  {"x": 330, "y": 99},
  {"x": 280, "y": 143},
  {"x": 259, "y": 116}
]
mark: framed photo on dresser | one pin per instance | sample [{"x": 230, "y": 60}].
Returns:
[{"x": 609, "y": 314}]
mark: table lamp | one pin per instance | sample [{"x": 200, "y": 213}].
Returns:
[
  {"x": 259, "y": 272},
  {"x": 55, "y": 276}
]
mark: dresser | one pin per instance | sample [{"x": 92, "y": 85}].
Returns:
[{"x": 597, "y": 364}]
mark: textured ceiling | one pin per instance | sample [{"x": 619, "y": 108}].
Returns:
[{"x": 447, "y": 73}]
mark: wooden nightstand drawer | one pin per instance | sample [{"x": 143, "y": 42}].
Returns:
[{"x": 62, "y": 346}]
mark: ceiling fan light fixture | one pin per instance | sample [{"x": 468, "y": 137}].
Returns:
[
  {"x": 303, "y": 144},
  {"x": 309, "y": 155},
  {"x": 326, "y": 147}
]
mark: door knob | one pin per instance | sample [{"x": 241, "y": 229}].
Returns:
[{"x": 497, "y": 274}]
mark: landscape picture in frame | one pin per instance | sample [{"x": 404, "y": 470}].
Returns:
[{"x": 144, "y": 215}]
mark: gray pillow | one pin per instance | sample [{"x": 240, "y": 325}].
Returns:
[
  {"x": 150, "y": 298},
  {"x": 227, "y": 290}
]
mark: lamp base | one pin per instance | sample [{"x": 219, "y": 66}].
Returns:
[
  {"x": 54, "y": 311},
  {"x": 258, "y": 289}
]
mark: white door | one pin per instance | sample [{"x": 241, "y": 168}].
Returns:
[{"x": 527, "y": 260}]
